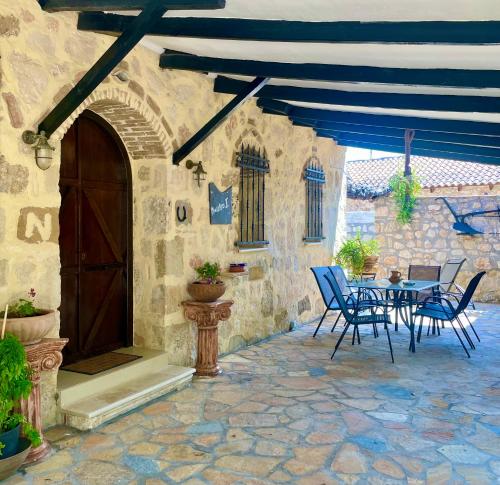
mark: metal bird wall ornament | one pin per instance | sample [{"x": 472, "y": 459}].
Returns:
[{"x": 463, "y": 227}]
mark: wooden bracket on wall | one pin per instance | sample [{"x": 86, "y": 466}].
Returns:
[
  {"x": 152, "y": 11},
  {"x": 249, "y": 90}
]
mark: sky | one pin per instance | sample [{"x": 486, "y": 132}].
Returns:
[{"x": 363, "y": 154}]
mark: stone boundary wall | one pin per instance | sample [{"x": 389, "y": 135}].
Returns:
[{"x": 430, "y": 239}]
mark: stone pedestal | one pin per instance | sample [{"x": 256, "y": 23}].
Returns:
[
  {"x": 45, "y": 355},
  {"x": 207, "y": 317}
]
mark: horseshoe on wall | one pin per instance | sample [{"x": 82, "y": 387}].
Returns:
[{"x": 184, "y": 215}]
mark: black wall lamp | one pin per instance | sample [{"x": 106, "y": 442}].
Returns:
[
  {"x": 43, "y": 151},
  {"x": 198, "y": 172}
]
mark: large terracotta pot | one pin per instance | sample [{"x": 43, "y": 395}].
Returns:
[
  {"x": 206, "y": 292},
  {"x": 370, "y": 264},
  {"x": 30, "y": 330},
  {"x": 9, "y": 466}
]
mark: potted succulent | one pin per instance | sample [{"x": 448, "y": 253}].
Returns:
[
  {"x": 208, "y": 287},
  {"x": 15, "y": 383},
  {"x": 27, "y": 322},
  {"x": 358, "y": 256}
]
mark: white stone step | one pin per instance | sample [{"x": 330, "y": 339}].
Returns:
[
  {"x": 85, "y": 402},
  {"x": 72, "y": 386}
]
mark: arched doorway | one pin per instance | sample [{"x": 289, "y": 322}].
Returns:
[{"x": 95, "y": 240}]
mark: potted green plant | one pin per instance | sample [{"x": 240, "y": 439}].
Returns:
[
  {"x": 405, "y": 190},
  {"x": 15, "y": 383},
  {"x": 208, "y": 287},
  {"x": 27, "y": 322},
  {"x": 358, "y": 256}
]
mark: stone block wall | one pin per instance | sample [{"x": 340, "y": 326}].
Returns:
[
  {"x": 430, "y": 239},
  {"x": 360, "y": 216},
  {"x": 43, "y": 56}
]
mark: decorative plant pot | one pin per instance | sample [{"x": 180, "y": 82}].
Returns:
[
  {"x": 30, "y": 330},
  {"x": 370, "y": 264},
  {"x": 10, "y": 440},
  {"x": 9, "y": 466},
  {"x": 206, "y": 292}
]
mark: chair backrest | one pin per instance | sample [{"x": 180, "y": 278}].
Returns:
[
  {"x": 422, "y": 272},
  {"x": 469, "y": 292},
  {"x": 331, "y": 278},
  {"x": 449, "y": 273},
  {"x": 341, "y": 279},
  {"x": 324, "y": 287}
]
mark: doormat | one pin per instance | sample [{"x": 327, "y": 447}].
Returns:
[{"x": 100, "y": 363}]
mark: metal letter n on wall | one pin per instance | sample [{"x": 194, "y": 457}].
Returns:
[{"x": 220, "y": 205}]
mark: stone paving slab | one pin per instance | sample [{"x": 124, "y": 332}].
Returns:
[{"x": 283, "y": 412}]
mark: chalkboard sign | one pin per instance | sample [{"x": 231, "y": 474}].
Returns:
[{"x": 220, "y": 205}]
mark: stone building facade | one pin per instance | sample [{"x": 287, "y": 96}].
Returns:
[{"x": 153, "y": 113}]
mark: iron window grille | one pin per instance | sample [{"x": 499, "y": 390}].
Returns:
[
  {"x": 315, "y": 179},
  {"x": 253, "y": 170}
]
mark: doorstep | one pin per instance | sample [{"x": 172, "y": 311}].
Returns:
[{"x": 85, "y": 402}]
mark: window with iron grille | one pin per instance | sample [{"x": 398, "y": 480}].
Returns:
[
  {"x": 253, "y": 170},
  {"x": 315, "y": 179}
]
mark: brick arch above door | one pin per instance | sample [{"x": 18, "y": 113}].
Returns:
[{"x": 145, "y": 133}]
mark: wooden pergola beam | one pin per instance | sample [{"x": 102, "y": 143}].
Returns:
[
  {"x": 440, "y": 32},
  {"x": 417, "y": 151},
  {"x": 423, "y": 144},
  {"x": 122, "y": 5},
  {"x": 334, "y": 73},
  {"x": 428, "y": 102},
  {"x": 248, "y": 91},
  {"x": 343, "y": 129},
  {"x": 281, "y": 108}
]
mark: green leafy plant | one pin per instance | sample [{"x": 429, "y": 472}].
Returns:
[
  {"x": 404, "y": 192},
  {"x": 15, "y": 383},
  {"x": 23, "y": 307},
  {"x": 353, "y": 253},
  {"x": 208, "y": 273}
]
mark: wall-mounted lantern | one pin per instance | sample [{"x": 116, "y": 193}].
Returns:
[
  {"x": 198, "y": 172},
  {"x": 43, "y": 151}
]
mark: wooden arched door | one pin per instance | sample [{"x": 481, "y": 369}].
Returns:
[{"x": 95, "y": 240}]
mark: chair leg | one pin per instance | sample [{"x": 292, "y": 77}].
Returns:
[
  {"x": 336, "y": 321},
  {"x": 375, "y": 331},
  {"x": 459, "y": 338},
  {"x": 437, "y": 327},
  {"x": 320, "y": 322},
  {"x": 472, "y": 326},
  {"x": 396, "y": 320},
  {"x": 466, "y": 335},
  {"x": 420, "y": 328},
  {"x": 340, "y": 339},
  {"x": 389, "y": 340},
  {"x": 359, "y": 337},
  {"x": 354, "y": 335}
]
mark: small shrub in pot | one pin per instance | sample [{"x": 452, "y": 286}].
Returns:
[{"x": 208, "y": 287}]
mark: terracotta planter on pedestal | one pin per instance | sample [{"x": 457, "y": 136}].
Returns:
[
  {"x": 206, "y": 292},
  {"x": 31, "y": 330}
]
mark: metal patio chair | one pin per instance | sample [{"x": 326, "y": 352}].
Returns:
[
  {"x": 352, "y": 316},
  {"x": 441, "y": 308},
  {"x": 419, "y": 272},
  {"x": 329, "y": 299},
  {"x": 449, "y": 274}
]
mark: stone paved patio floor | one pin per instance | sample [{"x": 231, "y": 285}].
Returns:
[{"x": 283, "y": 412}]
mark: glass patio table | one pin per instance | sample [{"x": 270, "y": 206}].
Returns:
[{"x": 403, "y": 296}]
